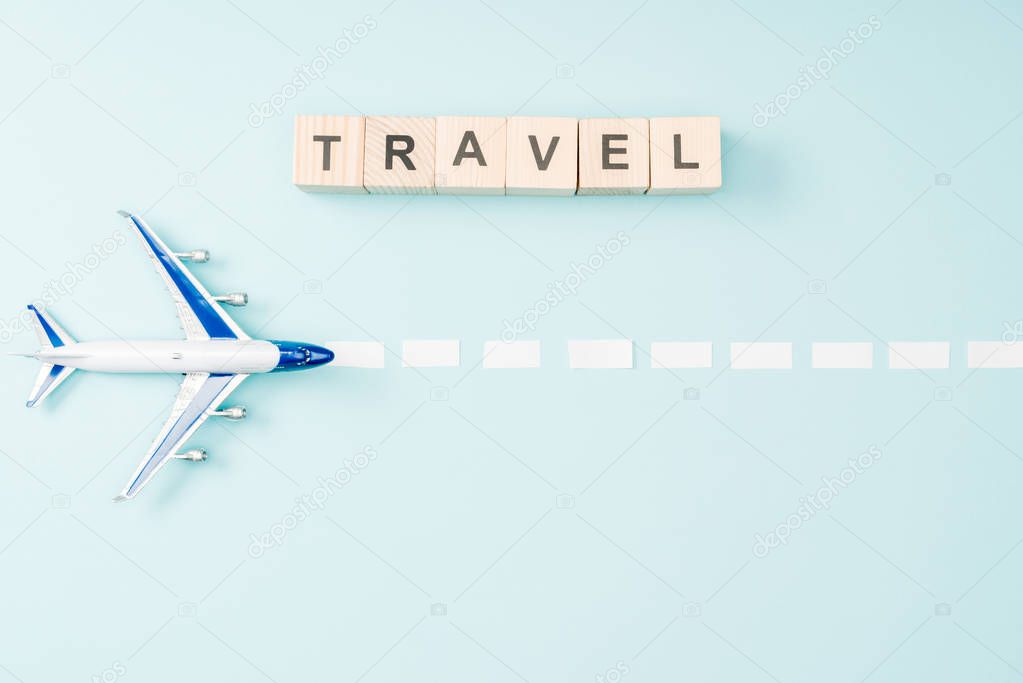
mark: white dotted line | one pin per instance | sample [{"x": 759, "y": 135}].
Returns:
[{"x": 619, "y": 354}]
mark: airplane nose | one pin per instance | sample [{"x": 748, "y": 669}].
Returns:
[{"x": 319, "y": 355}]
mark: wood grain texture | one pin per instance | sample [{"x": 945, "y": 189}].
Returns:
[
  {"x": 628, "y": 156},
  {"x": 461, "y": 142},
  {"x": 400, "y": 179},
  {"x": 685, "y": 155},
  {"x": 540, "y": 166},
  {"x": 342, "y": 170}
]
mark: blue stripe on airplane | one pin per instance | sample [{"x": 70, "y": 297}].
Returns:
[
  {"x": 55, "y": 339},
  {"x": 204, "y": 311},
  {"x": 54, "y": 373},
  {"x": 207, "y": 393}
]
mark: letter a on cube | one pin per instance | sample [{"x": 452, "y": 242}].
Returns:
[
  {"x": 329, "y": 153},
  {"x": 470, "y": 155},
  {"x": 399, "y": 155}
]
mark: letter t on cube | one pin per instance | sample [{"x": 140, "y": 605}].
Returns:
[{"x": 329, "y": 153}]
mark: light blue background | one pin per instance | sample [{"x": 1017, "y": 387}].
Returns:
[{"x": 117, "y": 105}]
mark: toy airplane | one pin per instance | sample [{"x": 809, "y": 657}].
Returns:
[{"x": 215, "y": 357}]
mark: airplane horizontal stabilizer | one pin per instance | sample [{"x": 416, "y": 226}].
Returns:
[{"x": 50, "y": 377}]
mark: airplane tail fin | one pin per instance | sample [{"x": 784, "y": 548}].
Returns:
[{"x": 51, "y": 335}]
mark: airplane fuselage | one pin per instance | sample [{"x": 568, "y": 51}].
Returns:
[{"x": 214, "y": 356}]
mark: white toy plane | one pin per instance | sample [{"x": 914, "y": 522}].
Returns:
[{"x": 215, "y": 357}]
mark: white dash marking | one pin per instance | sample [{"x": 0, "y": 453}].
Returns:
[
  {"x": 430, "y": 353},
  {"x": 844, "y": 355},
  {"x": 994, "y": 354},
  {"x": 600, "y": 353},
  {"x": 918, "y": 355},
  {"x": 357, "y": 354},
  {"x": 761, "y": 355}
]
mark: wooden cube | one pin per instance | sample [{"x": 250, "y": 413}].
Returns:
[
  {"x": 614, "y": 156},
  {"x": 399, "y": 155},
  {"x": 470, "y": 155},
  {"x": 685, "y": 155},
  {"x": 543, "y": 155},
  {"x": 329, "y": 153}
]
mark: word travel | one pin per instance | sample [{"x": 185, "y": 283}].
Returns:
[{"x": 518, "y": 155}]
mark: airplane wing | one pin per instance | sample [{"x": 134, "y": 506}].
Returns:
[
  {"x": 201, "y": 317},
  {"x": 199, "y": 396}
]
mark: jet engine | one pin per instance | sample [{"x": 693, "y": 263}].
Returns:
[
  {"x": 194, "y": 455},
  {"x": 195, "y": 256},
  {"x": 232, "y": 413},
  {"x": 233, "y": 299}
]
